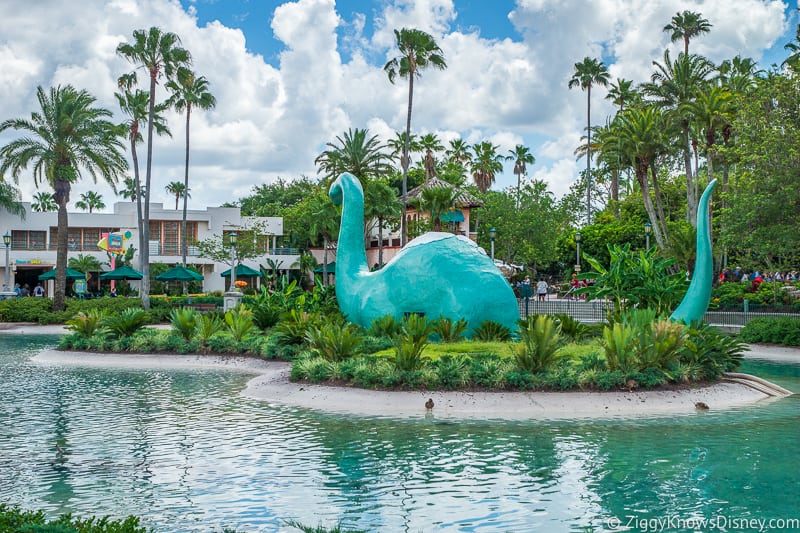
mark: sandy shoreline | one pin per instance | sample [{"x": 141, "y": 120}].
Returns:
[{"x": 271, "y": 384}]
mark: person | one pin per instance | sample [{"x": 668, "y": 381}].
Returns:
[
  {"x": 38, "y": 291},
  {"x": 113, "y": 292},
  {"x": 574, "y": 284},
  {"x": 25, "y": 291},
  {"x": 17, "y": 289},
  {"x": 541, "y": 290}
]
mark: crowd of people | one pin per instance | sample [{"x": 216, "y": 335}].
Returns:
[
  {"x": 756, "y": 278},
  {"x": 25, "y": 290}
]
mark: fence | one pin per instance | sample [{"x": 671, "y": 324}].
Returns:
[{"x": 598, "y": 310}]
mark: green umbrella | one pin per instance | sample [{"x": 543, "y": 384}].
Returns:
[
  {"x": 179, "y": 273},
  {"x": 71, "y": 274},
  {"x": 123, "y": 272},
  {"x": 331, "y": 268},
  {"x": 242, "y": 271}
]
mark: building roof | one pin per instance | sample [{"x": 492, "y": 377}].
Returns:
[{"x": 464, "y": 198}]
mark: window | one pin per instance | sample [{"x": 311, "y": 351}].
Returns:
[{"x": 28, "y": 240}]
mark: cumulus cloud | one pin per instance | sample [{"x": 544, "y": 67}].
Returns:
[{"x": 272, "y": 121}]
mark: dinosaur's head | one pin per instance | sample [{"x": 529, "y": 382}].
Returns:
[{"x": 345, "y": 180}]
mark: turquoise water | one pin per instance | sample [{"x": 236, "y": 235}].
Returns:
[{"x": 182, "y": 449}]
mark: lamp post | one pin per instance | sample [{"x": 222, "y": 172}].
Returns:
[
  {"x": 233, "y": 238},
  {"x": 648, "y": 228},
  {"x": 7, "y": 242},
  {"x": 578, "y": 252},
  {"x": 492, "y": 235}
]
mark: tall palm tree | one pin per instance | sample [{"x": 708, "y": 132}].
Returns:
[
  {"x": 459, "y": 152},
  {"x": 326, "y": 218},
  {"x": 67, "y": 135},
  {"x": 622, "y": 93},
  {"x": 188, "y": 91},
  {"x": 135, "y": 105},
  {"x": 436, "y": 201},
  {"x": 44, "y": 202},
  {"x": 381, "y": 204},
  {"x": 397, "y": 147},
  {"x": 86, "y": 264},
  {"x": 522, "y": 157},
  {"x": 430, "y": 144},
  {"x": 178, "y": 190},
  {"x": 354, "y": 152},
  {"x": 713, "y": 111},
  {"x": 418, "y": 50},
  {"x": 160, "y": 54},
  {"x": 685, "y": 26},
  {"x": 587, "y": 73},
  {"x": 90, "y": 201},
  {"x": 673, "y": 85},
  {"x": 486, "y": 164},
  {"x": 793, "y": 61}
]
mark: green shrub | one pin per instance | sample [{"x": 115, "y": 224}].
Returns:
[
  {"x": 709, "y": 353},
  {"x": 519, "y": 379},
  {"x": 571, "y": 328},
  {"x": 86, "y": 324},
  {"x": 207, "y": 325},
  {"x": 334, "y": 341},
  {"x": 372, "y": 344},
  {"x": 540, "y": 340},
  {"x": 489, "y": 330},
  {"x": 240, "y": 322},
  {"x": 293, "y": 326},
  {"x": 773, "y": 330},
  {"x": 451, "y": 371},
  {"x": 661, "y": 345},
  {"x": 315, "y": 369},
  {"x": 611, "y": 379},
  {"x": 126, "y": 323},
  {"x": 619, "y": 348},
  {"x": 410, "y": 343},
  {"x": 14, "y": 519},
  {"x": 385, "y": 326},
  {"x": 184, "y": 322},
  {"x": 487, "y": 371},
  {"x": 448, "y": 330}
]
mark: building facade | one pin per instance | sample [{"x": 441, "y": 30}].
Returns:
[{"x": 32, "y": 250}]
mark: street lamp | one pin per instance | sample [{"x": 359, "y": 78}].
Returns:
[
  {"x": 7, "y": 242},
  {"x": 577, "y": 251},
  {"x": 492, "y": 235},
  {"x": 233, "y": 238},
  {"x": 648, "y": 228}
]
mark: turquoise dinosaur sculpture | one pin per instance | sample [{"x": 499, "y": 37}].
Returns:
[
  {"x": 695, "y": 303},
  {"x": 435, "y": 274}
]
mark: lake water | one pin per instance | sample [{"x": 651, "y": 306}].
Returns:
[{"x": 185, "y": 451}]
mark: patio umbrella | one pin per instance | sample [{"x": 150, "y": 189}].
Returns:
[
  {"x": 123, "y": 272},
  {"x": 331, "y": 268},
  {"x": 71, "y": 274},
  {"x": 242, "y": 271},
  {"x": 179, "y": 273}
]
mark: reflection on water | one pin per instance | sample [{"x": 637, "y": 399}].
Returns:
[{"x": 183, "y": 449}]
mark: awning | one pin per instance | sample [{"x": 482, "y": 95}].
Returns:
[
  {"x": 71, "y": 274},
  {"x": 331, "y": 268},
  {"x": 242, "y": 271},
  {"x": 452, "y": 216}
]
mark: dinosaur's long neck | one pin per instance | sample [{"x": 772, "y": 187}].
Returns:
[
  {"x": 694, "y": 305},
  {"x": 351, "y": 256}
]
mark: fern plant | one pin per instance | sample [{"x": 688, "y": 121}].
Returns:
[
  {"x": 240, "y": 322},
  {"x": 410, "y": 343},
  {"x": 540, "y": 340},
  {"x": 334, "y": 341},
  {"x": 126, "y": 323},
  {"x": 449, "y": 331},
  {"x": 184, "y": 322},
  {"x": 618, "y": 347},
  {"x": 86, "y": 324},
  {"x": 491, "y": 331},
  {"x": 207, "y": 325},
  {"x": 293, "y": 326},
  {"x": 385, "y": 326},
  {"x": 571, "y": 328}
]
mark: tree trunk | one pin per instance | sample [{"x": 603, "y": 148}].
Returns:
[
  {"x": 641, "y": 177},
  {"x": 380, "y": 242},
  {"x": 691, "y": 196},
  {"x": 145, "y": 253},
  {"x": 589, "y": 155},
  {"x": 185, "y": 246},
  {"x": 403, "y": 223},
  {"x": 62, "y": 198},
  {"x": 662, "y": 220},
  {"x": 615, "y": 192},
  {"x": 138, "y": 185}
]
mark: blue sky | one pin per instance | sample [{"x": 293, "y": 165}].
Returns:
[{"x": 291, "y": 75}]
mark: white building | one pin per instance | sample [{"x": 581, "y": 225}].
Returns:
[{"x": 33, "y": 239}]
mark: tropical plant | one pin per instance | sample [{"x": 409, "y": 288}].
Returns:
[
  {"x": 452, "y": 371},
  {"x": 325, "y": 224},
  {"x": 44, "y": 202},
  {"x": 334, "y": 341},
  {"x": 381, "y": 205},
  {"x": 540, "y": 340},
  {"x": 90, "y": 201},
  {"x": 618, "y": 348},
  {"x": 571, "y": 328},
  {"x": 188, "y": 91},
  {"x": 293, "y": 326},
  {"x": 684, "y": 26},
  {"x": 485, "y": 165},
  {"x": 207, "y": 325},
  {"x": 86, "y": 264},
  {"x": 714, "y": 352},
  {"x": 436, "y": 201},
  {"x": 87, "y": 323},
  {"x": 356, "y": 153},
  {"x": 430, "y": 144},
  {"x": 178, "y": 190},
  {"x": 522, "y": 157},
  {"x": 587, "y": 73},
  {"x": 160, "y": 54},
  {"x": 411, "y": 342},
  {"x": 125, "y": 323},
  {"x": 240, "y": 322},
  {"x": 449, "y": 330},
  {"x": 184, "y": 322},
  {"x": 66, "y": 135},
  {"x": 489, "y": 330},
  {"x": 418, "y": 51},
  {"x": 385, "y": 326}
]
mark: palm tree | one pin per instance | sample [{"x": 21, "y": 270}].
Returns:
[
  {"x": 90, "y": 201},
  {"x": 713, "y": 111},
  {"x": 325, "y": 224},
  {"x": 188, "y": 90},
  {"x": 356, "y": 153},
  {"x": 486, "y": 164},
  {"x": 306, "y": 263},
  {"x": 522, "y": 157},
  {"x": 397, "y": 147},
  {"x": 381, "y": 204},
  {"x": 436, "y": 201},
  {"x": 67, "y": 135},
  {"x": 10, "y": 199},
  {"x": 674, "y": 85},
  {"x": 685, "y": 26},
  {"x": 136, "y": 105},
  {"x": 430, "y": 144},
  {"x": 86, "y": 264},
  {"x": 589, "y": 72},
  {"x": 418, "y": 50},
  {"x": 178, "y": 190},
  {"x": 44, "y": 202},
  {"x": 622, "y": 93},
  {"x": 160, "y": 54},
  {"x": 793, "y": 61}
]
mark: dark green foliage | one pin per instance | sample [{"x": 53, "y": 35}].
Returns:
[
  {"x": 540, "y": 340},
  {"x": 266, "y": 308},
  {"x": 334, "y": 341},
  {"x": 126, "y": 323},
  {"x": 410, "y": 343},
  {"x": 240, "y": 322},
  {"x": 571, "y": 328},
  {"x": 519, "y": 379},
  {"x": 773, "y": 330},
  {"x": 293, "y": 326},
  {"x": 375, "y": 344},
  {"x": 24, "y": 309},
  {"x": 648, "y": 378},
  {"x": 207, "y": 325},
  {"x": 486, "y": 370},
  {"x": 709, "y": 352},
  {"x": 609, "y": 380},
  {"x": 86, "y": 324},
  {"x": 492, "y": 331},
  {"x": 452, "y": 371},
  {"x": 16, "y": 520},
  {"x": 449, "y": 331},
  {"x": 184, "y": 322},
  {"x": 385, "y": 326},
  {"x": 592, "y": 362}
]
